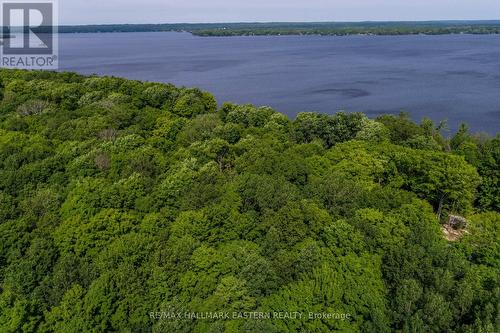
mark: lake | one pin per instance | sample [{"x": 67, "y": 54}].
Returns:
[{"x": 447, "y": 77}]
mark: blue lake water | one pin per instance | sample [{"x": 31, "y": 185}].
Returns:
[{"x": 452, "y": 77}]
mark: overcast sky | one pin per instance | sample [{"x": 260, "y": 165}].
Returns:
[{"x": 179, "y": 11}]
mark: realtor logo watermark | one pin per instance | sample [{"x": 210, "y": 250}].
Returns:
[{"x": 29, "y": 34}]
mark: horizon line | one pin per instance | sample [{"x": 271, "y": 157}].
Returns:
[{"x": 273, "y": 22}]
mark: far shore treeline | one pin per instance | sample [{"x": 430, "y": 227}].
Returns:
[{"x": 306, "y": 28}]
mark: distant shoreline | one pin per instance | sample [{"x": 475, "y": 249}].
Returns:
[
  {"x": 294, "y": 28},
  {"x": 283, "y": 35}
]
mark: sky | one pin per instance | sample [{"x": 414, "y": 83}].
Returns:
[{"x": 207, "y": 11}]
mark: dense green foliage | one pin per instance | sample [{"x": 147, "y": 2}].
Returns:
[
  {"x": 120, "y": 198},
  {"x": 313, "y": 28}
]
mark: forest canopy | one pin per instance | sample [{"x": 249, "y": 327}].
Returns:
[{"x": 123, "y": 201}]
